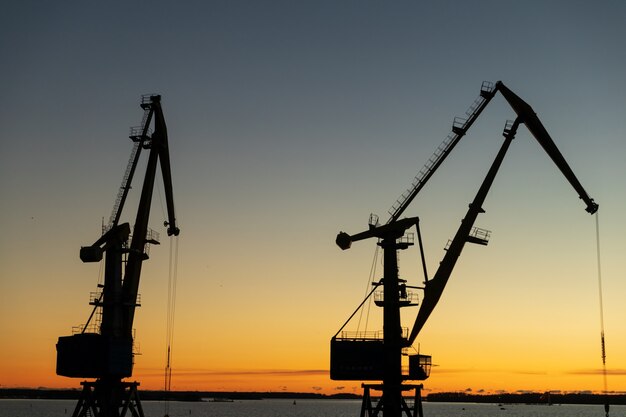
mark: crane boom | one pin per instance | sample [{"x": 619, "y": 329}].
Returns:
[
  {"x": 526, "y": 115},
  {"x": 159, "y": 152},
  {"x": 534, "y": 125},
  {"x": 459, "y": 129},
  {"x": 434, "y": 287}
]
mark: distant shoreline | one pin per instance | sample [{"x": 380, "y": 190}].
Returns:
[
  {"x": 197, "y": 396},
  {"x": 528, "y": 398},
  {"x": 148, "y": 395}
]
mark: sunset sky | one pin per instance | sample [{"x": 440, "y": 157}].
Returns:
[{"x": 290, "y": 121}]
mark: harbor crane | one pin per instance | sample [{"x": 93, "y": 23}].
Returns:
[
  {"x": 374, "y": 358},
  {"x": 102, "y": 349}
]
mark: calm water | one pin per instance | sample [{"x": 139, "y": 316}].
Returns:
[{"x": 307, "y": 408}]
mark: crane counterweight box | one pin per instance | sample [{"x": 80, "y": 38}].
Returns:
[
  {"x": 356, "y": 359},
  {"x": 363, "y": 360},
  {"x": 91, "y": 355}
]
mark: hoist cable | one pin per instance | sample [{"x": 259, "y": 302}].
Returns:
[
  {"x": 171, "y": 310},
  {"x": 370, "y": 279},
  {"x": 158, "y": 186},
  {"x": 357, "y": 309},
  {"x": 101, "y": 274},
  {"x": 372, "y": 282},
  {"x": 602, "y": 341}
]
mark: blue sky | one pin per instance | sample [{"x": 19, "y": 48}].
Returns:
[{"x": 292, "y": 120}]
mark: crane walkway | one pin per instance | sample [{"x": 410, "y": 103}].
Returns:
[
  {"x": 139, "y": 135},
  {"x": 460, "y": 126}
]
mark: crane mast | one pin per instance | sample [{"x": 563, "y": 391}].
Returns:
[
  {"x": 349, "y": 354},
  {"x": 105, "y": 352}
]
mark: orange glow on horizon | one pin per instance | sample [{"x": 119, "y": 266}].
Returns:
[{"x": 318, "y": 381}]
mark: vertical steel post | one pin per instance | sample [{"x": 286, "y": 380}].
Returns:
[{"x": 392, "y": 331}]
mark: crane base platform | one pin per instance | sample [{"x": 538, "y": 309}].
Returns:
[
  {"x": 98, "y": 399},
  {"x": 372, "y": 408}
]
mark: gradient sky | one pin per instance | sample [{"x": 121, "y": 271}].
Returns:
[{"x": 288, "y": 122}]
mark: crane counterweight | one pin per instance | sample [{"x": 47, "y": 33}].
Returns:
[{"x": 343, "y": 240}]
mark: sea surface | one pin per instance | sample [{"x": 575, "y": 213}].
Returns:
[{"x": 307, "y": 408}]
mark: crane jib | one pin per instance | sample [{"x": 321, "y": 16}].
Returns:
[
  {"x": 525, "y": 114},
  {"x": 536, "y": 128},
  {"x": 434, "y": 288},
  {"x": 159, "y": 155}
]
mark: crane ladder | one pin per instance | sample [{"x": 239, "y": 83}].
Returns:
[
  {"x": 460, "y": 126},
  {"x": 137, "y": 136}
]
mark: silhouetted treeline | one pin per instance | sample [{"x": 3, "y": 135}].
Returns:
[
  {"x": 527, "y": 398},
  {"x": 504, "y": 398},
  {"x": 73, "y": 394}
]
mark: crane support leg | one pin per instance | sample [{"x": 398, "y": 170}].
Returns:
[
  {"x": 370, "y": 410},
  {"x": 112, "y": 398}
]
